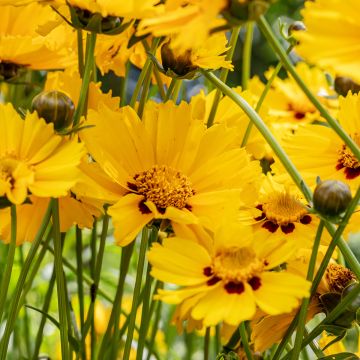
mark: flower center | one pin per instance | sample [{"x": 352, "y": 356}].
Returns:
[
  {"x": 235, "y": 266},
  {"x": 164, "y": 186},
  {"x": 348, "y": 161},
  {"x": 338, "y": 277}
]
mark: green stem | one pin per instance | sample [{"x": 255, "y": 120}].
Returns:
[
  {"x": 137, "y": 287},
  {"x": 60, "y": 282},
  {"x": 90, "y": 320},
  {"x": 262, "y": 99},
  {"x": 223, "y": 75},
  {"x": 177, "y": 88},
  {"x": 143, "y": 74},
  {"x": 246, "y": 59},
  {"x": 171, "y": 88},
  {"x": 305, "y": 303},
  {"x": 14, "y": 305},
  {"x": 245, "y": 341},
  {"x": 333, "y": 315},
  {"x": 5, "y": 281},
  {"x": 315, "y": 346},
  {"x": 80, "y": 52},
  {"x": 45, "y": 309},
  {"x": 79, "y": 278},
  {"x": 207, "y": 343},
  {"x": 264, "y": 130},
  {"x": 124, "y": 84},
  {"x": 115, "y": 312},
  {"x": 145, "y": 91},
  {"x": 274, "y": 42},
  {"x": 88, "y": 70}
]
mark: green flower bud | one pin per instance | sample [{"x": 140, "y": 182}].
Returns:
[
  {"x": 55, "y": 107},
  {"x": 331, "y": 197},
  {"x": 177, "y": 65},
  {"x": 345, "y": 84}
]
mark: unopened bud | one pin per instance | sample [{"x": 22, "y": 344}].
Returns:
[
  {"x": 55, "y": 107},
  {"x": 345, "y": 84},
  {"x": 296, "y": 26},
  {"x": 331, "y": 197}
]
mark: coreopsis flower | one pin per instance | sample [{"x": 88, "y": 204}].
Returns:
[
  {"x": 332, "y": 36},
  {"x": 84, "y": 203},
  {"x": 33, "y": 159},
  {"x": 282, "y": 213},
  {"x": 22, "y": 47},
  {"x": 169, "y": 165},
  {"x": 185, "y": 64},
  {"x": 288, "y": 103},
  {"x": 225, "y": 277},
  {"x": 183, "y": 18},
  {"x": 333, "y": 160}
]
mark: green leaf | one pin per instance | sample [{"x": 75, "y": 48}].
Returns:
[{"x": 341, "y": 356}]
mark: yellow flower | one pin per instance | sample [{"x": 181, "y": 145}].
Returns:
[
  {"x": 79, "y": 207},
  {"x": 288, "y": 103},
  {"x": 210, "y": 55},
  {"x": 33, "y": 159},
  {"x": 170, "y": 166},
  {"x": 332, "y": 37},
  {"x": 281, "y": 213},
  {"x": 134, "y": 9},
  {"x": 318, "y": 151},
  {"x": 21, "y": 46},
  {"x": 224, "y": 278},
  {"x": 188, "y": 22}
]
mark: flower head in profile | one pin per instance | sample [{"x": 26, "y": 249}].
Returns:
[
  {"x": 169, "y": 166},
  {"x": 33, "y": 159},
  {"x": 332, "y": 37},
  {"x": 333, "y": 160},
  {"x": 228, "y": 269}
]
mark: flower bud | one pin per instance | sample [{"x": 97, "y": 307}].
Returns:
[
  {"x": 296, "y": 26},
  {"x": 331, "y": 197},
  {"x": 55, "y": 107},
  {"x": 177, "y": 65},
  {"x": 94, "y": 22},
  {"x": 344, "y": 84},
  {"x": 239, "y": 11},
  {"x": 9, "y": 70},
  {"x": 355, "y": 304}
]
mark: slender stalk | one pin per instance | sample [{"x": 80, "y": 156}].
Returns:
[
  {"x": 45, "y": 309},
  {"x": 245, "y": 341},
  {"x": 5, "y": 281},
  {"x": 261, "y": 126},
  {"x": 315, "y": 346},
  {"x": 80, "y": 52},
  {"x": 246, "y": 59},
  {"x": 88, "y": 70},
  {"x": 275, "y": 44},
  {"x": 145, "y": 91},
  {"x": 14, "y": 305},
  {"x": 305, "y": 303},
  {"x": 177, "y": 88},
  {"x": 115, "y": 312},
  {"x": 90, "y": 321},
  {"x": 333, "y": 315},
  {"x": 124, "y": 84},
  {"x": 137, "y": 287},
  {"x": 217, "y": 339},
  {"x": 262, "y": 99},
  {"x": 171, "y": 89},
  {"x": 207, "y": 343},
  {"x": 223, "y": 75},
  {"x": 60, "y": 282},
  {"x": 143, "y": 74}
]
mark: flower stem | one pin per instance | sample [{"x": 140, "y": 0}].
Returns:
[
  {"x": 145, "y": 91},
  {"x": 274, "y": 42},
  {"x": 171, "y": 88},
  {"x": 223, "y": 75},
  {"x": 207, "y": 343},
  {"x": 88, "y": 70},
  {"x": 305, "y": 303},
  {"x": 60, "y": 281},
  {"x": 137, "y": 287},
  {"x": 14, "y": 306},
  {"x": 5, "y": 280},
  {"x": 80, "y": 52},
  {"x": 245, "y": 341},
  {"x": 261, "y": 126},
  {"x": 246, "y": 59}
]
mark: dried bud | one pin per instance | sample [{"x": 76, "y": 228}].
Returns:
[
  {"x": 331, "y": 197},
  {"x": 177, "y": 65},
  {"x": 345, "y": 84},
  {"x": 338, "y": 277},
  {"x": 55, "y": 107},
  {"x": 296, "y": 26}
]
